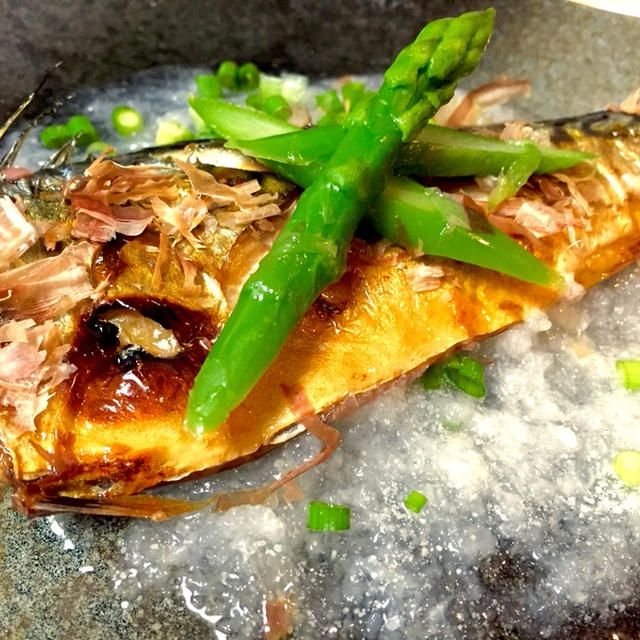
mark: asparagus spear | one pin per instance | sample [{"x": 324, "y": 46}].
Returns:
[
  {"x": 445, "y": 152},
  {"x": 435, "y": 151},
  {"x": 310, "y": 252},
  {"x": 406, "y": 213}
]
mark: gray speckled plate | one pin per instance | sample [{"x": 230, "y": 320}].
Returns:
[{"x": 56, "y": 575}]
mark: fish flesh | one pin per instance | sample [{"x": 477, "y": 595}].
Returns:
[{"x": 116, "y": 277}]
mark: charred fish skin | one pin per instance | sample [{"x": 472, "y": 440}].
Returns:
[
  {"x": 566, "y": 131},
  {"x": 114, "y": 427},
  {"x": 599, "y": 124}
]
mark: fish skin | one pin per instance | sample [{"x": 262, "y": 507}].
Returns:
[{"x": 369, "y": 330}]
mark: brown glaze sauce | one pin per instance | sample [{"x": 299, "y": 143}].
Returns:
[
  {"x": 337, "y": 297},
  {"x": 112, "y": 385}
]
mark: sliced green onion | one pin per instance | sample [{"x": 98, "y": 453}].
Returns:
[
  {"x": 228, "y": 75},
  {"x": 329, "y": 102},
  {"x": 277, "y": 106},
  {"x": 626, "y": 465},
  {"x": 55, "y": 135},
  {"x": 328, "y": 517},
  {"x": 82, "y": 129},
  {"x": 467, "y": 374},
  {"x": 208, "y": 86},
  {"x": 352, "y": 93},
  {"x": 291, "y": 86},
  {"x": 630, "y": 372},
  {"x": 126, "y": 120},
  {"x": 248, "y": 77},
  {"x": 334, "y": 113},
  {"x": 434, "y": 377},
  {"x": 171, "y": 132},
  {"x": 415, "y": 501},
  {"x": 98, "y": 147},
  {"x": 464, "y": 372},
  {"x": 335, "y": 110},
  {"x": 255, "y": 100}
]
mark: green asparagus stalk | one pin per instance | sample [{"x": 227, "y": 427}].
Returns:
[
  {"x": 310, "y": 252},
  {"x": 423, "y": 218},
  {"x": 445, "y": 152},
  {"x": 406, "y": 213},
  {"x": 438, "y": 152}
]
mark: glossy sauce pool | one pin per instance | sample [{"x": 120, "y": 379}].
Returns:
[{"x": 111, "y": 382}]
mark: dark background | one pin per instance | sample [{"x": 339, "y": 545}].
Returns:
[{"x": 98, "y": 40}]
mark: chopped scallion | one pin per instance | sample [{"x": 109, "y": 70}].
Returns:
[
  {"x": 277, "y": 106},
  {"x": 626, "y": 465},
  {"x": 434, "y": 377},
  {"x": 291, "y": 86},
  {"x": 328, "y": 517},
  {"x": 467, "y": 374},
  {"x": 82, "y": 129},
  {"x": 55, "y": 135},
  {"x": 228, "y": 75},
  {"x": 248, "y": 77},
  {"x": 255, "y": 100},
  {"x": 208, "y": 86},
  {"x": 415, "y": 501},
  {"x": 352, "y": 93},
  {"x": 329, "y": 102},
  {"x": 126, "y": 120},
  {"x": 171, "y": 132},
  {"x": 630, "y": 372},
  {"x": 335, "y": 110},
  {"x": 464, "y": 372},
  {"x": 98, "y": 147}
]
